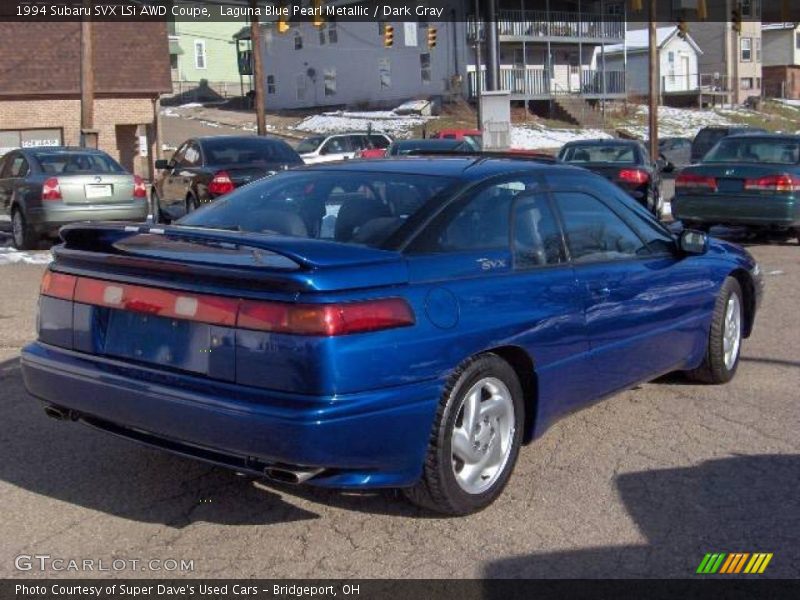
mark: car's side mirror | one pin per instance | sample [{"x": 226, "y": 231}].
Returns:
[
  {"x": 693, "y": 242},
  {"x": 163, "y": 164}
]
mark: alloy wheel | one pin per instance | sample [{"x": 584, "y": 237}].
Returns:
[{"x": 732, "y": 334}]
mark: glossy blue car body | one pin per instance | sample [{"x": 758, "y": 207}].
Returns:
[{"x": 361, "y": 407}]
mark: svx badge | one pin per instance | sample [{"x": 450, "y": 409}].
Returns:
[{"x": 489, "y": 264}]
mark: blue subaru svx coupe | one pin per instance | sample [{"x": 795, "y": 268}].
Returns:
[{"x": 403, "y": 323}]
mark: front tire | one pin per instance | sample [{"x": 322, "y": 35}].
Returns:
[
  {"x": 22, "y": 235},
  {"x": 475, "y": 440},
  {"x": 724, "y": 338}
]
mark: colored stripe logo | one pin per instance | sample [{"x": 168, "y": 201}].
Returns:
[{"x": 734, "y": 563}]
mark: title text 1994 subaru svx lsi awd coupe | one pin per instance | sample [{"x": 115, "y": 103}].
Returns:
[{"x": 400, "y": 323}]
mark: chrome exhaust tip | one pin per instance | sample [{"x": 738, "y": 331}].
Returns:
[
  {"x": 59, "y": 414},
  {"x": 291, "y": 476}
]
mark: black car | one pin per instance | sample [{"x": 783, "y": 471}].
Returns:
[
  {"x": 625, "y": 162},
  {"x": 209, "y": 167},
  {"x": 676, "y": 151},
  {"x": 707, "y": 138},
  {"x": 420, "y": 146}
]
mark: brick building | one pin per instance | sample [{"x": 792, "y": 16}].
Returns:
[
  {"x": 40, "y": 86},
  {"x": 782, "y": 60}
]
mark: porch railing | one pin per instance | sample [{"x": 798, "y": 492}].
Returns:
[
  {"x": 538, "y": 81},
  {"x": 557, "y": 24}
]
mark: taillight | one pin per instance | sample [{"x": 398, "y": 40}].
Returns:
[
  {"x": 695, "y": 181},
  {"x": 58, "y": 285},
  {"x": 221, "y": 184},
  {"x": 633, "y": 176},
  {"x": 781, "y": 182},
  {"x": 278, "y": 317},
  {"x": 139, "y": 188},
  {"x": 163, "y": 303},
  {"x": 51, "y": 190},
  {"x": 325, "y": 319}
]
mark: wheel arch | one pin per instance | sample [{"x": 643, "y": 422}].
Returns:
[
  {"x": 748, "y": 299},
  {"x": 524, "y": 366}
]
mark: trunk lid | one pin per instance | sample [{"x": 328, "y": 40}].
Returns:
[
  {"x": 731, "y": 179},
  {"x": 169, "y": 298},
  {"x": 96, "y": 188},
  {"x": 242, "y": 174}
]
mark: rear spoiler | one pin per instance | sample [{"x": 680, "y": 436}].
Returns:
[{"x": 240, "y": 259}]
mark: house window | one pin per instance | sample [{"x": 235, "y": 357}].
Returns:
[
  {"x": 758, "y": 49},
  {"x": 425, "y": 67},
  {"x": 298, "y": 40},
  {"x": 758, "y": 83},
  {"x": 747, "y": 49},
  {"x": 200, "y": 54},
  {"x": 385, "y": 73},
  {"x": 333, "y": 33},
  {"x": 301, "y": 84},
  {"x": 330, "y": 82},
  {"x": 747, "y": 8},
  {"x": 270, "y": 84},
  {"x": 746, "y": 83},
  {"x": 671, "y": 57},
  {"x": 797, "y": 40}
]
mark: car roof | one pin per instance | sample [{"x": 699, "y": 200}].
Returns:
[
  {"x": 787, "y": 137},
  {"x": 64, "y": 149},
  {"x": 208, "y": 138},
  {"x": 468, "y": 166},
  {"x": 434, "y": 142}
]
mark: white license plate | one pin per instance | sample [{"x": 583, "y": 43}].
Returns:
[{"x": 98, "y": 191}]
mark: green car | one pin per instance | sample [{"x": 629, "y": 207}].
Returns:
[{"x": 750, "y": 180}]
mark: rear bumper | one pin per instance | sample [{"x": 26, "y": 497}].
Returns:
[
  {"x": 50, "y": 219},
  {"x": 365, "y": 440},
  {"x": 755, "y": 211}
]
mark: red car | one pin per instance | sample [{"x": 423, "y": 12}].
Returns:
[{"x": 473, "y": 135}]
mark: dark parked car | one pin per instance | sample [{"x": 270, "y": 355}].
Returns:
[
  {"x": 625, "y": 162},
  {"x": 457, "y": 308},
  {"x": 707, "y": 137},
  {"x": 418, "y": 146},
  {"x": 209, "y": 167},
  {"x": 750, "y": 180},
  {"x": 42, "y": 189},
  {"x": 676, "y": 151}
]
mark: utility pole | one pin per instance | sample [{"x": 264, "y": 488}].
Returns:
[
  {"x": 258, "y": 72},
  {"x": 88, "y": 132},
  {"x": 654, "y": 81},
  {"x": 478, "y": 86},
  {"x": 492, "y": 59}
]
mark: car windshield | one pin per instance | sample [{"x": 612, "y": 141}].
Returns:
[
  {"x": 247, "y": 151},
  {"x": 349, "y": 207},
  {"x": 600, "y": 153},
  {"x": 76, "y": 163},
  {"x": 309, "y": 144},
  {"x": 755, "y": 150}
]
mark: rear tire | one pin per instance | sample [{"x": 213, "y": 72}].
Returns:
[
  {"x": 475, "y": 439},
  {"x": 724, "y": 337},
  {"x": 22, "y": 235}
]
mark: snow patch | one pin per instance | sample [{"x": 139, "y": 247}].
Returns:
[
  {"x": 10, "y": 256},
  {"x": 533, "y": 138},
  {"x": 378, "y": 120}
]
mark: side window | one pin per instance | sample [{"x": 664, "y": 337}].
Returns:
[
  {"x": 178, "y": 157},
  {"x": 19, "y": 166},
  {"x": 335, "y": 145},
  {"x": 537, "y": 236},
  {"x": 594, "y": 232},
  {"x": 379, "y": 141},
  {"x": 358, "y": 142},
  {"x": 479, "y": 222},
  {"x": 191, "y": 157}
]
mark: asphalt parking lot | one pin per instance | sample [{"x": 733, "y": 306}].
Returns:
[{"x": 641, "y": 485}]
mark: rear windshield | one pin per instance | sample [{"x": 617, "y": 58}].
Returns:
[
  {"x": 76, "y": 163},
  {"x": 755, "y": 150},
  {"x": 594, "y": 153},
  {"x": 435, "y": 145},
  {"x": 309, "y": 144},
  {"x": 350, "y": 207},
  {"x": 248, "y": 151}
]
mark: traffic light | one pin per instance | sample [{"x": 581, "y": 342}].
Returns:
[
  {"x": 683, "y": 29},
  {"x": 388, "y": 35},
  {"x": 736, "y": 20},
  {"x": 283, "y": 21},
  {"x": 431, "y": 37},
  {"x": 318, "y": 20}
]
